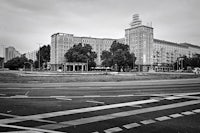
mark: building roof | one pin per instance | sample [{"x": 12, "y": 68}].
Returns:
[
  {"x": 170, "y": 43},
  {"x": 190, "y": 45}
]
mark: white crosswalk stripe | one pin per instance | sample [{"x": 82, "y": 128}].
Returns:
[
  {"x": 131, "y": 125},
  {"x": 113, "y": 130}
]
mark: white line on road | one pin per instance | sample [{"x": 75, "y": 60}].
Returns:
[
  {"x": 92, "y": 101},
  {"x": 196, "y": 110},
  {"x": 92, "y": 96},
  {"x": 131, "y": 125},
  {"x": 75, "y": 111},
  {"x": 67, "y": 99},
  {"x": 175, "y": 115},
  {"x": 187, "y": 113},
  {"x": 145, "y": 122},
  {"x": 124, "y": 114},
  {"x": 163, "y": 118},
  {"x": 29, "y": 128},
  {"x": 113, "y": 130}
]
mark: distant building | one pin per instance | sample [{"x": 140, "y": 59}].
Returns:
[
  {"x": 10, "y": 53},
  {"x": 154, "y": 52},
  {"x": 61, "y": 42},
  {"x": 140, "y": 40},
  {"x": 31, "y": 55},
  {"x": 149, "y": 52}
]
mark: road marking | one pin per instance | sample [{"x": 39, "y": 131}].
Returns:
[
  {"x": 187, "y": 113},
  {"x": 196, "y": 110},
  {"x": 67, "y": 99},
  {"x": 125, "y": 95},
  {"x": 124, "y": 114},
  {"x": 172, "y": 98},
  {"x": 29, "y": 128},
  {"x": 24, "y": 132},
  {"x": 163, "y": 118},
  {"x": 75, "y": 111},
  {"x": 19, "y": 96},
  {"x": 92, "y": 96},
  {"x": 175, "y": 115},
  {"x": 145, "y": 122},
  {"x": 92, "y": 101},
  {"x": 131, "y": 125},
  {"x": 2, "y": 94},
  {"x": 113, "y": 130},
  {"x": 57, "y": 96}
]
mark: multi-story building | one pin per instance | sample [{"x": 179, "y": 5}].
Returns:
[
  {"x": 154, "y": 52},
  {"x": 140, "y": 40},
  {"x": 61, "y": 42},
  {"x": 31, "y": 55},
  {"x": 149, "y": 52},
  {"x": 10, "y": 53}
]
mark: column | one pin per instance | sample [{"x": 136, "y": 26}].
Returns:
[
  {"x": 82, "y": 67},
  {"x": 73, "y": 67}
]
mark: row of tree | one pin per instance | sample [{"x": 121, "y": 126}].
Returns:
[{"x": 118, "y": 56}]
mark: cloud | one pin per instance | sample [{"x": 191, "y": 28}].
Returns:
[{"x": 23, "y": 23}]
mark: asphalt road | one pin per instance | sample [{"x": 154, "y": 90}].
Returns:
[{"x": 101, "y": 107}]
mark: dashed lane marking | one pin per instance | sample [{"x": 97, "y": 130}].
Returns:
[
  {"x": 172, "y": 98},
  {"x": 131, "y": 125},
  {"x": 187, "y": 113},
  {"x": 92, "y": 101},
  {"x": 163, "y": 118},
  {"x": 113, "y": 130},
  {"x": 67, "y": 99},
  {"x": 92, "y": 96},
  {"x": 145, "y": 122},
  {"x": 125, "y": 95},
  {"x": 57, "y": 96},
  {"x": 196, "y": 110},
  {"x": 175, "y": 115}
]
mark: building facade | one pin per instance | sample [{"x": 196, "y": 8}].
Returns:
[
  {"x": 31, "y": 55},
  {"x": 61, "y": 42},
  {"x": 10, "y": 53},
  {"x": 150, "y": 53},
  {"x": 140, "y": 40}
]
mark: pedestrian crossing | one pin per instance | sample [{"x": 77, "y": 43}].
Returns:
[{"x": 53, "y": 126}]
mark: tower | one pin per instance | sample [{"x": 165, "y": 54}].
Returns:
[{"x": 140, "y": 40}]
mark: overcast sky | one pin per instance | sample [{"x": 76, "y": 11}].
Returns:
[{"x": 25, "y": 23}]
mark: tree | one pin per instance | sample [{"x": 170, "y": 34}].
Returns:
[
  {"x": 79, "y": 53},
  {"x": 16, "y": 63},
  {"x": 106, "y": 56},
  {"x": 119, "y": 55},
  {"x": 43, "y": 55}
]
